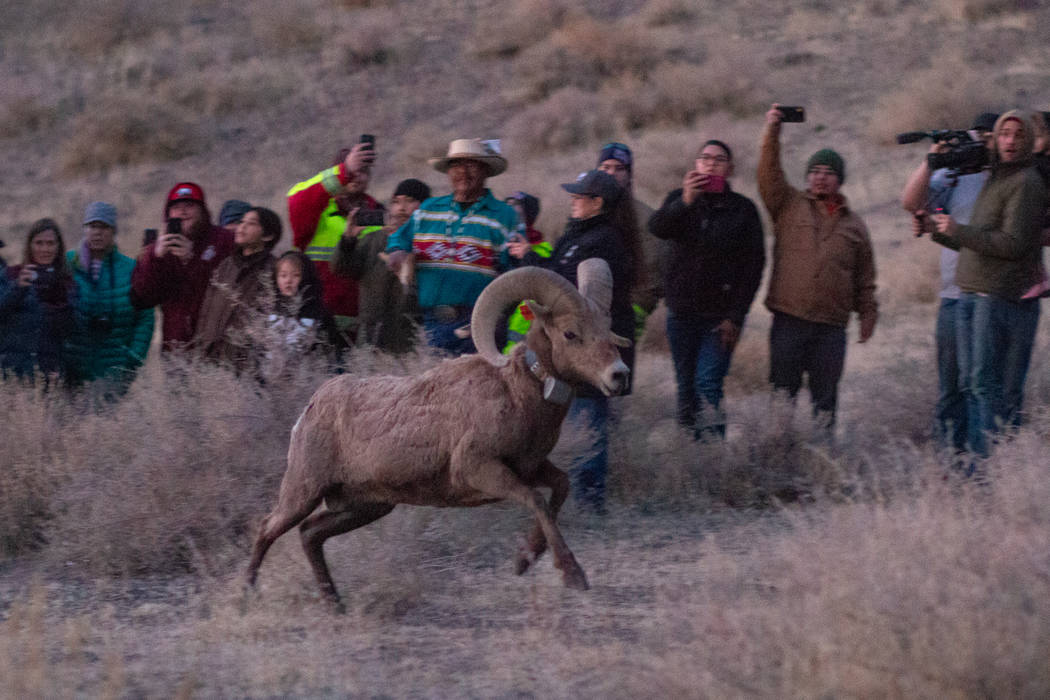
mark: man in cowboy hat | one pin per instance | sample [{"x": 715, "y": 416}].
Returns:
[{"x": 458, "y": 241}]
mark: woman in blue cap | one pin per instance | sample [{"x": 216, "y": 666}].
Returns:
[{"x": 591, "y": 232}]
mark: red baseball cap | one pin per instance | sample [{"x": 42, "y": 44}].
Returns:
[{"x": 190, "y": 191}]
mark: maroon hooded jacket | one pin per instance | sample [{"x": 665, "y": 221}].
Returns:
[{"x": 177, "y": 287}]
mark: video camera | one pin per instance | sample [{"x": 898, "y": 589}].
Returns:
[{"x": 967, "y": 154}]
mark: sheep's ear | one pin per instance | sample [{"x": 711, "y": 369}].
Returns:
[
  {"x": 539, "y": 312},
  {"x": 620, "y": 341}
]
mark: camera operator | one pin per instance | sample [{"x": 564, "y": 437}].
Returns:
[
  {"x": 998, "y": 251},
  {"x": 823, "y": 269},
  {"x": 110, "y": 338},
  {"x": 949, "y": 191}
]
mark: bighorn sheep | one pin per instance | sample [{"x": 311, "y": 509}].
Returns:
[{"x": 470, "y": 431}]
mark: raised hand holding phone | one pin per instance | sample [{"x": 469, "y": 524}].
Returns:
[{"x": 692, "y": 185}]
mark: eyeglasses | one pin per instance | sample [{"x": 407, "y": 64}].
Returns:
[{"x": 708, "y": 158}]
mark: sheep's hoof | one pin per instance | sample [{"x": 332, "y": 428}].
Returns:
[
  {"x": 335, "y": 605},
  {"x": 573, "y": 577},
  {"x": 248, "y": 592},
  {"x": 523, "y": 562}
]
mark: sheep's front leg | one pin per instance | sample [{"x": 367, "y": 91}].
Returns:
[
  {"x": 494, "y": 479},
  {"x": 558, "y": 481}
]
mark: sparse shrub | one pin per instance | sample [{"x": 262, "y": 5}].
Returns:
[
  {"x": 95, "y": 27},
  {"x": 658, "y": 13},
  {"x": 126, "y": 130},
  {"x": 948, "y": 95},
  {"x": 284, "y": 27},
  {"x": 27, "y": 115},
  {"x": 974, "y": 10},
  {"x": 675, "y": 94},
  {"x": 568, "y": 118},
  {"x": 375, "y": 37},
  {"x": 509, "y": 30},
  {"x": 29, "y": 475},
  {"x": 244, "y": 87},
  {"x": 582, "y": 53}
]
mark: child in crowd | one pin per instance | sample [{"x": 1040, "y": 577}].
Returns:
[{"x": 299, "y": 315}]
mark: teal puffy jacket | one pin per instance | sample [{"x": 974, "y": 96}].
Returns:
[{"x": 110, "y": 337}]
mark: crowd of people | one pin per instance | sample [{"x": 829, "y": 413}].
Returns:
[{"x": 363, "y": 273}]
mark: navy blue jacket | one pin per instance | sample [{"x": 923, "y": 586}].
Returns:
[{"x": 35, "y": 322}]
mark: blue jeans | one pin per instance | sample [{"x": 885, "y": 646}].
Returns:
[
  {"x": 950, "y": 423},
  {"x": 798, "y": 347},
  {"x": 995, "y": 346},
  {"x": 440, "y": 332},
  {"x": 587, "y": 473},
  {"x": 700, "y": 367}
]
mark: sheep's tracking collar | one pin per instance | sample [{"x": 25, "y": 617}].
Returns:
[{"x": 554, "y": 390}]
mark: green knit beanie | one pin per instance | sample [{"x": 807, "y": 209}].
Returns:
[{"x": 830, "y": 158}]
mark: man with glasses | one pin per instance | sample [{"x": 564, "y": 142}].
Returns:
[
  {"x": 823, "y": 269},
  {"x": 712, "y": 274}
]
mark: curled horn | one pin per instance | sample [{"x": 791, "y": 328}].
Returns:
[
  {"x": 596, "y": 284},
  {"x": 545, "y": 287}
]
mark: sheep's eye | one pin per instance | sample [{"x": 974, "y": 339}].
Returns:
[{"x": 569, "y": 335}]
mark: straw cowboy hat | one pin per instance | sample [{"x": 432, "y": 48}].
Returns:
[{"x": 471, "y": 149}]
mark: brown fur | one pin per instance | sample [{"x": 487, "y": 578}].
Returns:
[{"x": 465, "y": 433}]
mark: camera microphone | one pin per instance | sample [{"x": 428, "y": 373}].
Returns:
[{"x": 911, "y": 137}]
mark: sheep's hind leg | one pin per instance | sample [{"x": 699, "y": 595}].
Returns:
[
  {"x": 278, "y": 522},
  {"x": 320, "y": 526},
  {"x": 558, "y": 482},
  {"x": 495, "y": 479}
]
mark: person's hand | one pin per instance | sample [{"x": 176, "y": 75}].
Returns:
[
  {"x": 395, "y": 258},
  {"x": 518, "y": 248},
  {"x": 939, "y": 147},
  {"x": 181, "y": 247},
  {"x": 163, "y": 245},
  {"x": 692, "y": 185},
  {"x": 918, "y": 222},
  {"x": 729, "y": 334},
  {"x": 867, "y": 326},
  {"x": 774, "y": 116},
  {"x": 360, "y": 157},
  {"x": 944, "y": 224},
  {"x": 26, "y": 275},
  {"x": 352, "y": 230}
]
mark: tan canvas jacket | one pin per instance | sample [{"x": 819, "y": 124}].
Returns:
[{"x": 823, "y": 264}]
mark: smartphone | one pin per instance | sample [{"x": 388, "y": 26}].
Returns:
[
  {"x": 792, "y": 114},
  {"x": 174, "y": 225},
  {"x": 369, "y": 217},
  {"x": 149, "y": 237},
  {"x": 715, "y": 183},
  {"x": 371, "y": 141}
]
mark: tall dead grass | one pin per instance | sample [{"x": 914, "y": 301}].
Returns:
[
  {"x": 128, "y": 130},
  {"x": 946, "y": 96}
]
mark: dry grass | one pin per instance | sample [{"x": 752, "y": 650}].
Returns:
[
  {"x": 975, "y": 10},
  {"x": 580, "y": 54},
  {"x": 506, "y": 31},
  {"x": 947, "y": 95},
  {"x": 125, "y": 131},
  {"x": 768, "y": 566}
]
